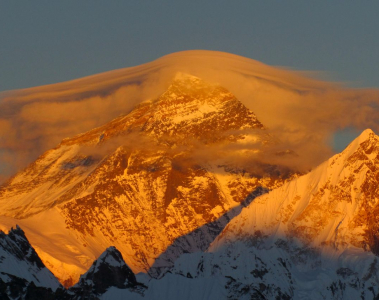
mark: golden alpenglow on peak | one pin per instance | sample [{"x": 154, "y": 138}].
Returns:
[
  {"x": 160, "y": 181},
  {"x": 327, "y": 215},
  {"x": 221, "y": 184},
  {"x": 131, "y": 171}
]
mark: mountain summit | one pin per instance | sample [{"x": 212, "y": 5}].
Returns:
[
  {"x": 109, "y": 270},
  {"x": 140, "y": 182},
  {"x": 334, "y": 205}
]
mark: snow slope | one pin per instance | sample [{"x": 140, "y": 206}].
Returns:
[{"x": 333, "y": 206}]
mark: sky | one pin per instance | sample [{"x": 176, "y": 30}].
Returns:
[{"x": 44, "y": 42}]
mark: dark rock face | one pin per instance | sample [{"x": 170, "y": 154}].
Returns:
[
  {"x": 19, "y": 288},
  {"x": 22, "y": 273},
  {"x": 23, "y": 250},
  {"x": 109, "y": 270}
]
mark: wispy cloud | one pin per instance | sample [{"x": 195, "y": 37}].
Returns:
[{"x": 301, "y": 112}]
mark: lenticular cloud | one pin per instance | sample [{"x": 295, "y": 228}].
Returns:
[{"x": 301, "y": 112}]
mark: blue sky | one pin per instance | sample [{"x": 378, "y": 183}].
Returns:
[{"x": 44, "y": 42}]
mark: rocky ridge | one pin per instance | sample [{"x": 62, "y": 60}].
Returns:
[
  {"x": 109, "y": 270},
  {"x": 22, "y": 273}
]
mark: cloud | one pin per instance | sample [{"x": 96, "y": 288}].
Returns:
[{"x": 300, "y": 111}]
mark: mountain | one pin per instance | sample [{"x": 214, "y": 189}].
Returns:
[
  {"x": 160, "y": 181},
  {"x": 315, "y": 237},
  {"x": 176, "y": 187},
  {"x": 108, "y": 271},
  {"x": 275, "y": 248},
  {"x": 22, "y": 273},
  {"x": 24, "y": 276},
  {"x": 333, "y": 207}
]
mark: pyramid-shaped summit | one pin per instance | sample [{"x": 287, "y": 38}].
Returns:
[
  {"x": 179, "y": 115},
  {"x": 189, "y": 108},
  {"x": 139, "y": 182},
  {"x": 109, "y": 270},
  {"x": 193, "y": 108}
]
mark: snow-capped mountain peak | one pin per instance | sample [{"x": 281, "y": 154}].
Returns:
[
  {"x": 332, "y": 205},
  {"x": 20, "y": 264},
  {"x": 366, "y": 139},
  {"x": 140, "y": 182},
  {"x": 109, "y": 270}
]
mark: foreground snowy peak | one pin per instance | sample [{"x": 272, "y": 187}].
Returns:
[
  {"x": 141, "y": 182},
  {"x": 21, "y": 270},
  {"x": 109, "y": 270},
  {"x": 112, "y": 269},
  {"x": 333, "y": 206}
]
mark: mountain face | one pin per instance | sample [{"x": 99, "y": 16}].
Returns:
[
  {"x": 333, "y": 207},
  {"x": 155, "y": 183},
  {"x": 22, "y": 273},
  {"x": 313, "y": 238}
]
